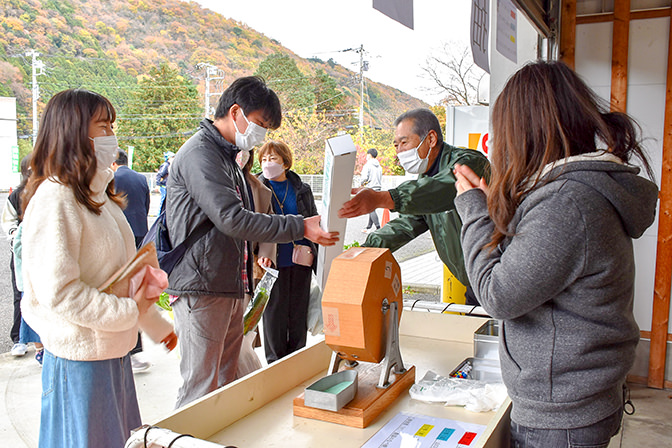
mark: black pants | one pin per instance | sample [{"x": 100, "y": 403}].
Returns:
[
  {"x": 470, "y": 297},
  {"x": 16, "y": 322},
  {"x": 138, "y": 344},
  {"x": 286, "y": 315}
]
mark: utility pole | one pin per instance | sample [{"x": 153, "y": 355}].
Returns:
[
  {"x": 36, "y": 65},
  {"x": 361, "y": 89},
  {"x": 212, "y": 73},
  {"x": 363, "y": 66}
]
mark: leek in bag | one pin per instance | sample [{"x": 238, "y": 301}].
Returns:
[
  {"x": 314, "y": 320},
  {"x": 258, "y": 303}
]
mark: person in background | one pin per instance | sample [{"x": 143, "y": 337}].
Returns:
[
  {"x": 260, "y": 195},
  {"x": 264, "y": 255},
  {"x": 286, "y": 315},
  {"x": 11, "y": 219},
  {"x": 426, "y": 203},
  {"x": 548, "y": 248},
  {"x": 133, "y": 186},
  {"x": 372, "y": 176},
  {"x": 26, "y": 333},
  {"x": 210, "y": 281},
  {"x": 162, "y": 175},
  {"x": 74, "y": 237}
]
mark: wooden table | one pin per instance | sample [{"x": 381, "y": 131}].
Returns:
[{"x": 256, "y": 411}]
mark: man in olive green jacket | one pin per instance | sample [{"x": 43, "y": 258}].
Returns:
[{"x": 426, "y": 203}]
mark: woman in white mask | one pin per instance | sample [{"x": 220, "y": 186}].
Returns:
[
  {"x": 264, "y": 256},
  {"x": 75, "y": 237},
  {"x": 285, "y": 317}
]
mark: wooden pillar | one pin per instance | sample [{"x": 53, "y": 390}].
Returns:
[
  {"x": 619, "y": 55},
  {"x": 568, "y": 32},
  {"x": 663, "y": 280}
]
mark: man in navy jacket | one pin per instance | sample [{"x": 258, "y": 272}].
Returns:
[{"x": 134, "y": 186}]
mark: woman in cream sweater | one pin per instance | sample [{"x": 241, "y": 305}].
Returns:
[{"x": 75, "y": 236}]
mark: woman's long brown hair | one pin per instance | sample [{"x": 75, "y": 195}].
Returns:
[
  {"x": 63, "y": 151},
  {"x": 546, "y": 113}
]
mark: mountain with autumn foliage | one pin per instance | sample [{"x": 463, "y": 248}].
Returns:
[{"x": 111, "y": 46}]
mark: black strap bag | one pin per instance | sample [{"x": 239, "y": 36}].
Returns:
[{"x": 168, "y": 255}]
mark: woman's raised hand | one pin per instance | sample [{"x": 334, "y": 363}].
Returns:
[{"x": 467, "y": 179}]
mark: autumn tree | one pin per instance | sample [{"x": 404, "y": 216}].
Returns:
[
  {"x": 382, "y": 140},
  {"x": 284, "y": 77},
  {"x": 327, "y": 95},
  {"x": 440, "y": 112},
  {"x": 308, "y": 104},
  {"x": 161, "y": 115},
  {"x": 305, "y": 132},
  {"x": 454, "y": 74},
  {"x": 102, "y": 76}
]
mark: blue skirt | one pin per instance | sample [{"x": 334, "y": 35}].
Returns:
[
  {"x": 27, "y": 334},
  {"x": 87, "y": 403}
]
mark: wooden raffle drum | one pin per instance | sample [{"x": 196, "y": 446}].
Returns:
[{"x": 362, "y": 292}]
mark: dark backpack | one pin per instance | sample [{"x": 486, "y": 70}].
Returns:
[{"x": 168, "y": 255}]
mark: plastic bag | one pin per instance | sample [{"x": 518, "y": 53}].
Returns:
[
  {"x": 475, "y": 396},
  {"x": 248, "y": 361},
  {"x": 315, "y": 308},
  {"x": 257, "y": 305}
]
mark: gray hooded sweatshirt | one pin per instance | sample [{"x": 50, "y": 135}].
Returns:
[
  {"x": 563, "y": 288},
  {"x": 372, "y": 174}
]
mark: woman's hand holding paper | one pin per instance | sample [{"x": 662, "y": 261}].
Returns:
[{"x": 146, "y": 286}]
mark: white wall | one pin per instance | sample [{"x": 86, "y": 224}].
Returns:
[
  {"x": 647, "y": 74},
  {"x": 502, "y": 68},
  {"x": 8, "y": 141}
]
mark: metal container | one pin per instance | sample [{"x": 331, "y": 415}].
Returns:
[
  {"x": 486, "y": 340},
  {"x": 480, "y": 369},
  {"x": 332, "y": 392}
]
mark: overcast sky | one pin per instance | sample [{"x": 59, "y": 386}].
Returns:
[{"x": 322, "y": 28}]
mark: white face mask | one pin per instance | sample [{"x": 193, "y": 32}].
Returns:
[
  {"x": 272, "y": 169},
  {"x": 411, "y": 161},
  {"x": 254, "y": 134},
  {"x": 107, "y": 150},
  {"x": 242, "y": 158}
]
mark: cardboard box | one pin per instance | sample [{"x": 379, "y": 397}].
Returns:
[{"x": 339, "y": 168}]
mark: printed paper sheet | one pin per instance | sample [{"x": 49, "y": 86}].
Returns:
[{"x": 407, "y": 430}]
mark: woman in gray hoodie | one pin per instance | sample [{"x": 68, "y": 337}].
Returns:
[{"x": 548, "y": 250}]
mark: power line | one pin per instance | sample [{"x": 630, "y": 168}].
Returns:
[
  {"x": 314, "y": 105},
  {"x": 193, "y": 117},
  {"x": 119, "y": 86},
  {"x": 142, "y": 117},
  {"x": 146, "y": 137},
  {"x": 139, "y": 137}
]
